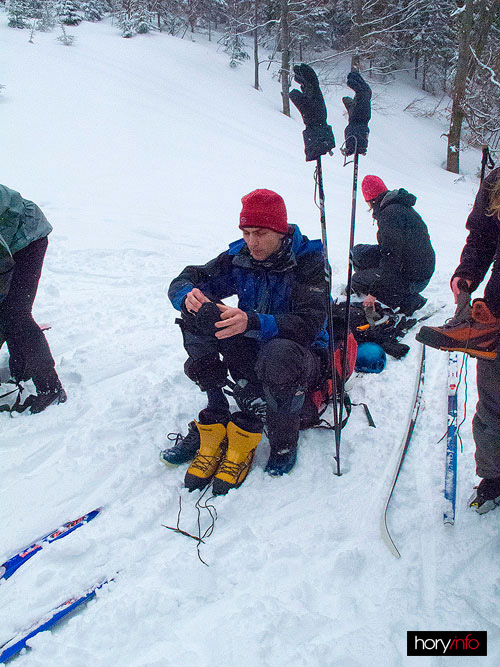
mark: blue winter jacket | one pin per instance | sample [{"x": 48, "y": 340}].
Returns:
[{"x": 284, "y": 296}]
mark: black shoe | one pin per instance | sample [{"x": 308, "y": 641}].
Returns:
[
  {"x": 486, "y": 496},
  {"x": 184, "y": 449},
  {"x": 42, "y": 400},
  {"x": 281, "y": 461}
]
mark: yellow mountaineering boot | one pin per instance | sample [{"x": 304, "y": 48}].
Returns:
[
  {"x": 244, "y": 433},
  {"x": 212, "y": 447}
]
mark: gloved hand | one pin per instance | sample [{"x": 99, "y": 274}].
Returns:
[
  {"x": 318, "y": 135},
  {"x": 359, "y": 112},
  {"x": 202, "y": 322}
]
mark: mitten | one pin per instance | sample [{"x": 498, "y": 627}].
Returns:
[
  {"x": 318, "y": 135},
  {"x": 359, "y": 113}
]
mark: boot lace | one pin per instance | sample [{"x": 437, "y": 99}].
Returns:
[
  {"x": 231, "y": 468},
  {"x": 204, "y": 463}
]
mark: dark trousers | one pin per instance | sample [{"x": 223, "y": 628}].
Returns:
[
  {"x": 281, "y": 367},
  {"x": 396, "y": 293},
  {"x": 281, "y": 371},
  {"x": 30, "y": 355},
  {"x": 486, "y": 422}
]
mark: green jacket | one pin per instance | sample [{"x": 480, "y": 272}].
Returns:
[{"x": 21, "y": 223}]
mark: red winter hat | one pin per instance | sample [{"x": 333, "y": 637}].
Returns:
[
  {"x": 264, "y": 208},
  {"x": 372, "y": 187}
]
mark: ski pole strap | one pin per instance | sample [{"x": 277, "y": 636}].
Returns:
[
  {"x": 486, "y": 161},
  {"x": 367, "y": 413},
  {"x": 5, "y": 407}
]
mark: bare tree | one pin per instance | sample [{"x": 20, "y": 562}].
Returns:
[{"x": 475, "y": 19}]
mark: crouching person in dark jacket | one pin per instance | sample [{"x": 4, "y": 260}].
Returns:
[
  {"x": 267, "y": 343},
  {"x": 401, "y": 265},
  {"x": 23, "y": 242}
]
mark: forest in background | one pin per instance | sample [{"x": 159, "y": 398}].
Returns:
[{"x": 451, "y": 47}]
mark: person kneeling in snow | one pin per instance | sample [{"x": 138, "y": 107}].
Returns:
[
  {"x": 401, "y": 265},
  {"x": 270, "y": 343},
  {"x": 23, "y": 242}
]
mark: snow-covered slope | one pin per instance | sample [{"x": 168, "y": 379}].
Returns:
[{"x": 139, "y": 151}]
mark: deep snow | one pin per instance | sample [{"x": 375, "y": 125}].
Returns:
[{"x": 139, "y": 151}]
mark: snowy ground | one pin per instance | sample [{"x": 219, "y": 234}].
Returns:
[{"x": 139, "y": 151}]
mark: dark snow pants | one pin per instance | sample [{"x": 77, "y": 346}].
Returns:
[
  {"x": 398, "y": 293},
  {"x": 281, "y": 371},
  {"x": 30, "y": 355},
  {"x": 486, "y": 422}
]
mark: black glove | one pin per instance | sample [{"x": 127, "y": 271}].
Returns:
[
  {"x": 359, "y": 112},
  {"x": 202, "y": 322},
  {"x": 318, "y": 136}
]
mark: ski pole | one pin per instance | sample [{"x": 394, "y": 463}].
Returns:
[
  {"x": 348, "y": 289},
  {"x": 331, "y": 341}
]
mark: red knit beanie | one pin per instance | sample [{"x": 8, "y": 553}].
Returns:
[
  {"x": 264, "y": 208},
  {"x": 372, "y": 187}
]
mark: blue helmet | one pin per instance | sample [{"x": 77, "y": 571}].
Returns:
[{"x": 370, "y": 358}]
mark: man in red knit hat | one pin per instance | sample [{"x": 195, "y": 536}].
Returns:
[
  {"x": 272, "y": 344},
  {"x": 400, "y": 266}
]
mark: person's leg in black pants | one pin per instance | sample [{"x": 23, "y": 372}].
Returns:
[
  {"x": 30, "y": 356},
  {"x": 286, "y": 370}
]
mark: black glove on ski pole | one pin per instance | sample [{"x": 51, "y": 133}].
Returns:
[
  {"x": 359, "y": 112},
  {"x": 318, "y": 135}
]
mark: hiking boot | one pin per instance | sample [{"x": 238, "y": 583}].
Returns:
[
  {"x": 243, "y": 435},
  {"x": 487, "y": 495},
  {"x": 283, "y": 434},
  {"x": 478, "y": 335},
  {"x": 184, "y": 449},
  {"x": 210, "y": 454},
  {"x": 42, "y": 400},
  {"x": 281, "y": 461}
]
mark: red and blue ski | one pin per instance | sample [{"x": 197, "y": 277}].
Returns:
[
  {"x": 19, "y": 642},
  {"x": 10, "y": 566}
]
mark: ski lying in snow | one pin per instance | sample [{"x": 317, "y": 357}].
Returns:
[
  {"x": 450, "y": 477},
  {"x": 386, "y": 536},
  {"x": 19, "y": 642},
  {"x": 10, "y": 566}
]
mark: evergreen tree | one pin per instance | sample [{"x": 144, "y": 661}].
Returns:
[
  {"x": 67, "y": 12},
  {"x": 234, "y": 46},
  {"x": 17, "y": 11},
  {"x": 92, "y": 10},
  {"x": 141, "y": 16}
]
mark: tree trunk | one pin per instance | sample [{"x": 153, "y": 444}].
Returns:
[
  {"x": 256, "y": 47},
  {"x": 459, "y": 88},
  {"x": 285, "y": 57},
  {"x": 357, "y": 34}
]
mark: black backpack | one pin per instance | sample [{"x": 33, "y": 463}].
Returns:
[{"x": 381, "y": 325}]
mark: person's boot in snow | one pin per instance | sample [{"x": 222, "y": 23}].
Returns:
[
  {"x": 244, "y": 432},
  {"x": 283, "y": 433},
  {"x": 212, "y": 430},
  {"x": 49, "y": 392},
  {"x": 486, "y": 496},
  {"x": 477, "y": 335},
  {"x": 184, "y": 449}
]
